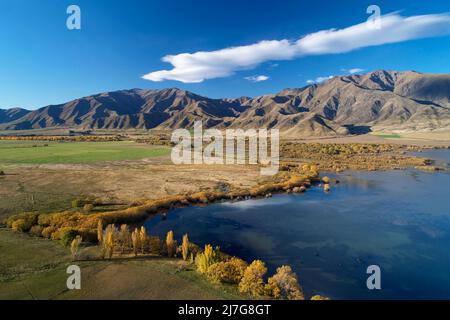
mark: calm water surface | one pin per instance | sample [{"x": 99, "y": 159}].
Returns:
[{"x": 399, "y": 220}]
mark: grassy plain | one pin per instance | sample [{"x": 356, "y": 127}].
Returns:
[
  {"x": 35, "y": 269},
  {"x": 46, "y": 176},
  {"x": 42, "y": 152}
]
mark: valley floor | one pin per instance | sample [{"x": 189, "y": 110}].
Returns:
[
  {"x": 437, "y": 138},
  {"x": 34, "y": 268}
]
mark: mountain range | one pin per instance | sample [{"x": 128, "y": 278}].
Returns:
[{"x": 379, "y": 101}]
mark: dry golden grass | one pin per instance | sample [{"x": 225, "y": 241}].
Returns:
[
  {"x": 355, "y": 156},
  {"x": 56, "y": 225}
]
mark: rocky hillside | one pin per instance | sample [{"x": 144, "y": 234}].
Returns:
[
  {"x": 380, "y": 100},
  {"x": 12, "y": 114}
]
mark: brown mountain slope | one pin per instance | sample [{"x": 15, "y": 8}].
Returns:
[
  {"x": 380, "y": 100},
  {"x": 12, "y": 114}
]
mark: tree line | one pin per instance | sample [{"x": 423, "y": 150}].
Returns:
[{"x": 210, "y": 262}]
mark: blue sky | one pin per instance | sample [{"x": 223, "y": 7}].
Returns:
[{"x": 42, "y": 62}]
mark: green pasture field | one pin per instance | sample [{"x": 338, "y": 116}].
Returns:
[
  {"x": 35, "y": 269},
  {"x": 387, "y": 135},
  {"x": 43, "y": 152}
]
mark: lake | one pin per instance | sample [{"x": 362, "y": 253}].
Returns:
[{"x": 398, "y": 220}]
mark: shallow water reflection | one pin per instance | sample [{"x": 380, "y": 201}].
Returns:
[{"x": 399, "y": 220}]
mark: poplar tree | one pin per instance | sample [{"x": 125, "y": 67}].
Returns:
[
  {"x": 206, "y": 259},
  {"x": 135, "y": 238},
  {"x": 100, "y": 230},
  {"x": 125, "y": 237},
  {"x": 143, "y": 239},
  {"x": 185, "y": 247},
  {"x": 171, "y": 244},
  {"x": 74, "y": 246},
  {"x": 109, "y": 241}
]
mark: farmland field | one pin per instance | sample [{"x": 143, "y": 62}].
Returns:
[
  {"x": 387, "y": 135},
  {"x": 42, "y": 176},
  {"x": 38, "y": 271},
  {"x": 42, "y": 152}
]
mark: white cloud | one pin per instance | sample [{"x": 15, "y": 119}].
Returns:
[
  {"x": 322, "y": 79},
  {"x": 199, "y": 66},
  {"x": 319, "y": 80},
  {"x": 257, "y": 78},
  {"x": 353, "y": 70}
]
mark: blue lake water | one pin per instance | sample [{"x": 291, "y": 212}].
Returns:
[{"x": 398, "y": 220}]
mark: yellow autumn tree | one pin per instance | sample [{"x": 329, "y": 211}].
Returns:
[
  {"x": 230, "y": 271},
  {"x": 253, "y": 280},
  {"x": 170, "y": 244},
  {"x": 109, "y": 241},
  {"x": 135, "y": 239},
  {"x": 143, "y": 239},
  {"x": 207, "y": 258},
  {"x": 100, "y": 230},
  {"x": 319, "y": 297},
  {"x": 74, "y": 246},
  {"x": 284, "y": 285},
  {"x": 88, "y": 207},
  {"x": 124, "y": 238},
  {"x": 185, "y": 247}
]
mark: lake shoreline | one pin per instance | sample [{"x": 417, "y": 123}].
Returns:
[{"x": 228, "y": 224}]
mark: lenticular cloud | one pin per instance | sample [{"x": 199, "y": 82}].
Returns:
[{"x": 199, "y": 66}]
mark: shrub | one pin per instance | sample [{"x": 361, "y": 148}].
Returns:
[
  {"x": 44, "y": 220},
  {"x": 77, "y": 203},
  {"x": 252, "y": 282},
  {"x": 318, "y": 297},
  {"x": 207, "y": 258},
  {"x": 48, "y": 231},
  {"x": 88, "y": 207},
  {"x": 284, "y": 285},
  {"x": 199, "y": 197},
  {"x": 88, "y": 235},
  {"x": 272, "y": 289},
  {"x": 155, "y": 245},
  {"x": 67, "y": 237},
  {"x": 2, "y": 173},
  {"x": 230, "y": 271},
  {"x": 36, "y": 230},
  {"x": 22, "y": 225},
  {"x": 22, "y": 222},
  {"x": 313, "y": 170},
  {"x": 194, "y": 249},
  {"x": 19, "y": 225}
]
